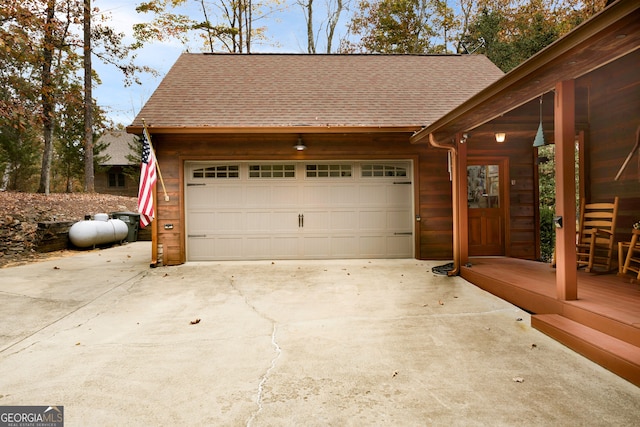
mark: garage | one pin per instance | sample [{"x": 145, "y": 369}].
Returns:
[{"x": 298, "y": 210}]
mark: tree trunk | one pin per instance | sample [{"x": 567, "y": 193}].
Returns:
[
  {"x": 47, "y": 99},
  {"x": 333, "y": 22},
  {"x": 311, "y": 45},
  {"x": 89, "y": 184}
]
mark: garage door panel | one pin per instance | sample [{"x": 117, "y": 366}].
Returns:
[
  {"x": 284, "y": 221},
  {"x": 317, "y": 247},
  {"x": 201, "y": 197},
  {"x": 199, "y": 221},
  {"x": 373, "y": 246},
  {"x": 314, "y": 221},
  {"x": 257, "y": 247},
  {"x": 398, "y": 246},
  {"x": 258, "y": 221},
  {"x": 344, "y": 246},
  {"x": 315, "y": 195},
  {"x": 342, "y": 194},
  {"x": 370, "y": 195},
  {"x": 216, "y": 248},
  {"x": 227, "y": 196},
  {"x": 398, "y": 194},
  {"x": 373, "y": 220},
  {"x": 226, "y": 222},
  {"x": 284, "y": 196},
  {"x": 399, "y": 220},
  {"x": 285, "y": 247},
  {"x": 257, "y": 196},
  {"x": 344, "y": 220}
]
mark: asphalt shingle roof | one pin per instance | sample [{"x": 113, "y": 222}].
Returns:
[
  {"x": 274, "y": 90},
  {"x": 118, "y": 147}
]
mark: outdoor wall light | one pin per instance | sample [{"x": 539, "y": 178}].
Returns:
[
  {"x": 300, "y": 146},
  {"x": 500, "y": 137}
]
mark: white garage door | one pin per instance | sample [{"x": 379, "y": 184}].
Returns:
[{"x": 298, "y": 210}]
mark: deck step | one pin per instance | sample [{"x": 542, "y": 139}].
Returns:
[{"x": 616, "y": 355}]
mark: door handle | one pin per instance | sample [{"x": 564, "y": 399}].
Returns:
[
  {"x": 299, "y": 220},
  {"x": 302, "y": 220}
]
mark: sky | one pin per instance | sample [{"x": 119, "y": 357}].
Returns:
[{"x": 122, "y": 103}]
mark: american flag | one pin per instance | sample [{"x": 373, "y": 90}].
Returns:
[{"x": 147, "y": 181}]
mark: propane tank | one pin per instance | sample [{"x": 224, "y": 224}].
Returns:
[{"x": 101, "y": 230}]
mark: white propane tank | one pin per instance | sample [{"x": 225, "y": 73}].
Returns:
[{"x": 101, "y": 230}]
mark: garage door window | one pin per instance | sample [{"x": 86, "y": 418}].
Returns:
[
  {"x": 381, "y": 170},
  {"x": 219, "y": 171},
  {"x": 272, "y": 171},
  {"x": 328, "y": 171}
]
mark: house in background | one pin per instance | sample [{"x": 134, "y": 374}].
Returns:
[
  {"x": 118, "y": 175},
  {"x": 284, "y": 156}
]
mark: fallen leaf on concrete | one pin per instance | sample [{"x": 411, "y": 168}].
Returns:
[
  {"x": 519, "y": 319},
  {"x": 395, "y": 374},
  {"x": 77, "y": 343},
  {"x": 440, "y": 302},
  {"x": 195, "y": 322},
  {"x": 518, "y": 379},
  {"x": 165, "y": 274},
  {"x": 56, "y": 268},
  {"x": 534, "y": 346}
]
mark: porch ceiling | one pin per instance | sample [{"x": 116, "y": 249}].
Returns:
[{"x": 613, "y": 33}]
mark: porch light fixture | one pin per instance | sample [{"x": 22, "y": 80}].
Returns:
[
  {"x": 539, "y": 140},
  {"x": 300, "y": 146},
  {"x": 500, "y": 137}
]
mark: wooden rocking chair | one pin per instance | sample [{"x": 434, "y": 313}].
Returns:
[{"x": 596, "y": 235}]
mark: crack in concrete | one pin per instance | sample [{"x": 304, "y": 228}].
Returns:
[
  {"x": 130, "y": 280},
  {"x": 274, "y": 360},
  {"x": 265, "y": 377}
]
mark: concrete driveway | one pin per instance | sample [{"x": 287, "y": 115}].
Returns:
[{"x": 313, "y": 343}]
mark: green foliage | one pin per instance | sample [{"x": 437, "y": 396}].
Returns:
[
  {"x": 547, "y": 233},
  {"x": 69, "y": 159},
  {"x": 391, "y": 26},
  {"x": 508, "y": 42},
  {"x": 19, "y": 154}
]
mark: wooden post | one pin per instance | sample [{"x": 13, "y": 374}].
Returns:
[
  {"x": 564, "y": 116},
  {"x": 154, "y": 229}
]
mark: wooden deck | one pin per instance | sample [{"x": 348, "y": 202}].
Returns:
[{"x": 603, "y": 324}]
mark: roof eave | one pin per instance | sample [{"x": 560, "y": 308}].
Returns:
[
  {"x": 539, "y": 73},
  {"x": 273, "y": 129}
]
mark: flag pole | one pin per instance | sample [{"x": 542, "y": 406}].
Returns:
[{"x": 153, "y": 153}]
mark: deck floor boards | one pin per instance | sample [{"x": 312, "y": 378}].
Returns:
[{"x": 608, "y": 295}]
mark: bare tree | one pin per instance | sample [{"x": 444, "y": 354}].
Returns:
[
  {"x": 89, "y": 182},
  {"x": 47, "y": 97}
]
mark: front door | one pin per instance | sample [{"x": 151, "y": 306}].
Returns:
[{"x": 486, "y": 207}]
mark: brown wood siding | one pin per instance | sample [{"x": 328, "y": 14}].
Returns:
[
  {"x": 435, "y": 228},
  {"x": 433, "y": 189},
  {"x": 614, "y": 94}
]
